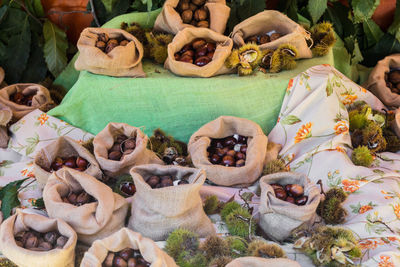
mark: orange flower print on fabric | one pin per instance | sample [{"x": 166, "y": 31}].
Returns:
[
  {"x": 290, "y": 85},
  {"x": 350, "y": 185},
  {"x": 43, "y": 118},
  {"x": 385, "y": 261},
  {"x": 340, "y": 149},
  {"x": 303, "y": 133},
  {"x": 341, "y": 127},
  {"x": 365, "y": 208},
  {"x": 371, "y": 243},
  {"x": 348, "y": 99},
  {"x": 386, "y": 193},
  {"x": 396, "y": 209}
]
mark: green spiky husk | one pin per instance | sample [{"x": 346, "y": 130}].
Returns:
[
  {"x": 287, "y": 59},
  {"x": 6, "y": 263},
  {"x": 237, "y": 226},
  {"x": 324, "y": 38},
  {"x": 362, "y": 156},
  {"x": 237, "y": 245},
  {"x": 331, "y": 211},
  {"x": 228, "y": 208},
  {"x": 215, "y": 246},
  {"x": 244, "y": 71},
  {"x": 159, "y": 141},
  {"x": 259, "y": 248},
  {"x": 233, "y": 60},
  {"x": 274, "y": 166},
  {"x": 252, "y": 46},
  {"x": 276, "y": 64},
  {"x": 336, "y": 192},
  {"x": 220, "y": 261},
  {"x": 211, "y": 204},
  {"x": 181, "y": 240},
  {"x": 188, "y": 259},
  {"x": 88, "y": 144}
]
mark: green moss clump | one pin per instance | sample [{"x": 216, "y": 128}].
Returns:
[
  {"x": 228, "y": 208},
  {"x": 188, "y": 259},
  {"x": 220, "y": 261},
  {"x": 240, "y": 222},
  {"x": 211, "y": 204},
  {"x": 181, "y": 240},
  {"x": 237, "y": 246},
  {"x": 274, "y": 166},
  {"x": 215, "y": 246},
  {"x": 362, "y": 156},
  {"x": 259, "y": 248}
]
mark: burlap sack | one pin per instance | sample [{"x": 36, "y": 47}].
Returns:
[
  {"x": 121, "y": 61},
  {"x": 122, "y": 239},
  {"x": 104, "y": 140},
  {"x": 63, "y": 147},
  {"x": 376, "y": 81},
  {"x": 222, "y": 127},
  {"x": 158, "y": 212},
  {"x": 277, "y": 217},
  {"x": 5, "y": 118},
  {"x": 271, "y": 20},
  {"x": 27, "y": 258},
  {"x": 396, "y": 122},
  {"x": 91, "y": 221},
  {"x": 261, "y": 262},
  {"x": 41, "y": 100},
  {"x": 170, "y": 21},
  {"x": 214, "y": 68}
]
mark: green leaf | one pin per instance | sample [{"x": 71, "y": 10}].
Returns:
[
  {"x": 357, "y": 56},
  {"x": 37, "y": 6},
  {"x": 9, "y": 197},
  {"x": 395, "y": 27},
  {"x": 11, "y": 23},
  {"x": 17, "y": 53},
  {"x": 372, "y": 32},
  {"x": 55, "y": 48},
  {"x": 329, "y": 88},
  {"x": 36, "y": 68},
  {"x": 387, "y": 45},
  {"x": 241, "y": 12},
  {"x": 3, "y": 12},
  {"x": 108, "y": 4},
  {"x": 291, "y": 119},
  {"x": 316, "y": 8},
  {"x": 364, "y": 9},
  {"x": 378, "y": 171}
]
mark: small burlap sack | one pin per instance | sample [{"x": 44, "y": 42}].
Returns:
[
  {"x": 376, "y": 81},
  {"x": 63, "y": 147},
  {"x": 104, "y": 140},
  {"x": 262, "y": 262},
  {"x": 121, "y": 61},
  {"x": 271, "y": 20},
  {"x": 396, "y": 122},
  {"x": 278, "y": 217},
  {"x": 27, "y": 258},
  {"x": 91, "y": 221},
  {"x": 122, "y": 239},
  {"x": 5, "y": 118},
  {"x": 222, "y": 127},
  {"x": 169, "y": 20},
  {"x": 158, "y": 212},
  {"x": 214, "y": 68},
  {"x": 41, "y": 99}
]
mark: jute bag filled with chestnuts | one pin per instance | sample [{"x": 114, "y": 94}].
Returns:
[
  {"x": 161, "y": 204},
  {"x": 112, "y": 52},
  {"x": 262, "y": 262},
  {"x": 104, "y": 252},
  {"x": 22, "y": 98},
  {"x": 196, "y": 64},
  {"x": 31, "y": 240},
  {"x": 119, "y": 147},
  {"x": 64, "y": 152},
  {"x": 211, "y": 146},
  {"x": 286, "y": 197},
  {"x": 384, "y": 81},
  {"x": 270, "y": 29},
  {"x": 179, "y": 14},
  {"x": 91, "y": 208}
]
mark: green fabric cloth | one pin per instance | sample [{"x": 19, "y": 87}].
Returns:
[{"x": 178, "y": 105}]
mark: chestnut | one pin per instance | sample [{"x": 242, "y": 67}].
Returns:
[
  {"x": 129, "y": 144},
  {"x": 101, "y": 45},
  {"x": 153, "y": 181},
  {"x": 274, "y": 36},
  {"x": 186, "y": 59},
  {"x": 290, "y": 199},
  {"x": 177, "y": 56},
  {"x": 186, "y": 48},
  {"x": 57, "y": 164},
  {"x": 211, "y": 47},
  {"x": 276, "y": 186},
  {"x": 243, "y": 149},
  {"x": 183, "y": 182},
  {"x": 210, "y": 55},
  {"x": 46, "y": 246},
  {"x": 264, "y": 39},
  {"x": 222, "y": 151},
  {"x": 82, "y": 198},
  {"x": 51, "y": 237},
  {"x": 192, "y": 7},
  {"x": 128, "y": 188},
  {"x": 108, "y": 262},
  {"x": 166, "y": 182},
  {"x": 31, "y": 242},
  {"x": 231, "y": 153},
  {"x": 296, "y": 190},
  {"x": 187, "y": 16},
  {"x": 103, "y": 37},
  {"x": 215, "y": 159},
  {"x": 252, "y": 39},
  {"x": 188, "y": 53},
  {"x": 115, "y": 147},
  {"x": 202, "y": 24},
  {"x": 280, "y": 193},
  {"x": 124, "y": 43},
  {"x": 115, "y": 155},
  {"x": 230, "y": 142},
  {"x": 111, "y": 44},
  {"x": 132, "y": 262},
  {"x": 81, "y": 162},
  {"x": 183, "y": 5},
  {"x": 72, "y": 198},
  {"x": 121, "y": 138},
  {"x": 301, "y": 201},
  {"x": 202, "y": 61},
  {"x": 70, "y": 162},
  {"x": 240, "y": 163},
  {"x": 200, "y": 14},
  {"x": 119, "y": 262},
  {"x": 287, "y": 187},
  {"x": 201, "y": 52},
  {"x": 61, "y": 241},
  {"x": 198, "y": 43},
  {"x": 126, "y": 253},
  {"x": 240, "y": 155},
  {"x": 228, "y": 161}
]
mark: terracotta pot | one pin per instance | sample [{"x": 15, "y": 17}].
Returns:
[{"x": 72, "y": 23}]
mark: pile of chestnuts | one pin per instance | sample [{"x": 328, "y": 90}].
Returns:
[
  {"x": 77, "y": 163},
  {"x": 105, "y": 44},
  {"x": 164, "y": 181},
  {"x": 194, "y": 12},
  {"x": 263, "y": 38},
  {"x": 229, "y": 151},
  {"x": 198, "y": 52},
  {"x": 22, "y": 99},
  {"x": 127, "y": 188},
  {"x": 78, "y": 198},
  {"x": 293, "y": 193},
  {"x": 122, "y": 146},
  {"x": 36, "y": 241},
  {"x": 125, "y": 258},
  {"x": 393, "y": 80}
]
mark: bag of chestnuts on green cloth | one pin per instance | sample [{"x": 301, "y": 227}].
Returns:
[
  {"x": 286, "y": 197},
  {"x": 269, "y": 29},
  {"x": 92, "y": 209},
  {"x": 111, "y": 52},
  {"x": 384, "y": 81},
  {"x": 31, "y": 240},
  {"x": 119, "y": 147},
  {"x": 262, "y": 262},
  {"x": 167, "y": 198},
  {"x": 5, "y": 118},
  {"x": 22, "y": 98},
  {"x": 127, "y": 248},
  {"x": 231, "y": 150},
  {"x": 64, "y": 151},
  {"x": 198, "y": 52},
  {"x": 179, "y": 14}
]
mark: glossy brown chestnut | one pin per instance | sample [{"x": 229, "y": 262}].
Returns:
[
  {"x": 280, "y": 193},
  {"x": 301, "y": 200}
]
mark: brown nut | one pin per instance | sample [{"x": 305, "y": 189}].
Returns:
[
  {"x": 119, "y": 262},
  {"x": 132, "y": 262},
  {"x": 126, "y": 253},
  {"x": 183, "y": 5},
  {"x": 252, "y": 39},
  {"x": 153, "y": 181},
  {"x": 108, "y": 262},
  {"x": 394, "y": 76},
  {"x": 198, "y": 43},
  {"x": 115, "y": 155},
  {"x": 81, "y": 162},
  {"x": 301, "y": 200},
  {"x": 274, "y": 36},
  {"x": 189, "y": 53},
  {"x": 240, "y": 163},
  {"x": 192, "y": 7},
  {"x": 51, "y": 237},
  {"x": 200, "y": 14},
  {"x": 199, "y": 2},
  {"x": 177, "y": 56},
  {"x": 210, "y": 55},
  {"x": 290, "y": 199},
  {"x": 187, "y": 59},
  {"x": 82, "y": 198},
  {"x": 46, "y": 246},
  {"x": 101, "y": 45},
  {"x": 166, "y": 182},
  {"x": 201, "y": 52},
  {"x": 211, "y": 47},
  {"x": 202, "y": 24},
  {"x": 185, "y": 48},
  {"x": 202, "y": 61},
  {"x": 231, "y": 153},
  {"x": 276, "y": 186},
  {"x": 111, "y": 44},
  {"x": 280, "y": 193},
  {"x": 215, "y": 159},
  {"x": 120, "y": 138},
  {"x": 228, "y": 161},
  {"x": 124, "y": 43},
  {"x": 61, "y": 241},
  {"x": 240, "y": 155},
  {"x": 72, "y": 198},
  {"x": 187, "y": 16},
  {"x": 70, "y": 162},
  {"x": 129, "y": 144},
  {"x": 296, "y": 190},
  {"x": 103, "y": 37},
  {"x": 264, "y": 39},
  {"x": 31, "y": 242}
]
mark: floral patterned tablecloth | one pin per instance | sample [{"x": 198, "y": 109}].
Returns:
[{"x": 313, "y": 129}]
